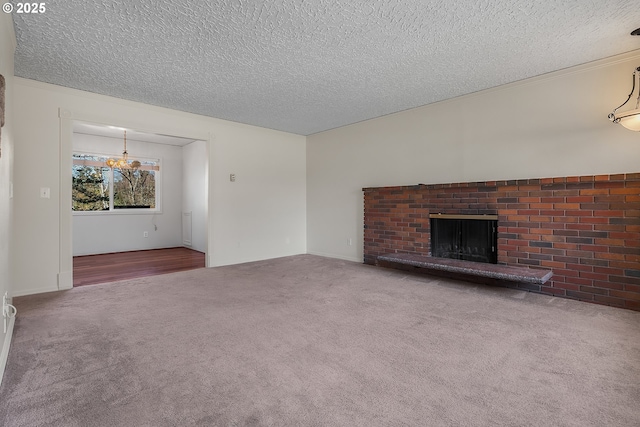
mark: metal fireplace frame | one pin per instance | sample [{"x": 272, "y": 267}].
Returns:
[{"x": 488, "y": 231}]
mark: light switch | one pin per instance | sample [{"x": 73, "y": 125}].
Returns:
[{"x": 45, "y": 193}]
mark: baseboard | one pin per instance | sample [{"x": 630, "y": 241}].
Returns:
[
  {"x": 65, "y": 280},
  {"x": 235, "y": 261},
  {"x": 345, "y": 258},
  {"x": 5, "y": 347},
  {"x": 33, "y": 292}
]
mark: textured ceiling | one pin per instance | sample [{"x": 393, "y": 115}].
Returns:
[{"x": 308, "y": 66}]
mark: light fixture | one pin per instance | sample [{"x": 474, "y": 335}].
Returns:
[
  {"x": 629, "y": 119},
  {"x": 123, "y": 162}
]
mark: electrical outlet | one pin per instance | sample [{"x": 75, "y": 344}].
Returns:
[{"x": 145, "y": 234}]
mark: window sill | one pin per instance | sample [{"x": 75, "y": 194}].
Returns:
[{"x": 118, "y": 212}]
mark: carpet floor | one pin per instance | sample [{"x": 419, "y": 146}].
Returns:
[{"x": 313, "y": 341}]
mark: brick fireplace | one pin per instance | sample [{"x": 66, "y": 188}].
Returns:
[{"x": 585, "y": 229}]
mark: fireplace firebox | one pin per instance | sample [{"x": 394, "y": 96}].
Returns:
[{"x": 465, "y": 237}]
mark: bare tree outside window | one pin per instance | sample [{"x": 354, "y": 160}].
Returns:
[{"x": 134, "y": 189}]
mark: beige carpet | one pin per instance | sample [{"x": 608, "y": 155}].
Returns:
[{"x": 312, "y": 341}]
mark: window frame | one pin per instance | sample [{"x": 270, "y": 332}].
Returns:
[{"x": 112, "y": 210}]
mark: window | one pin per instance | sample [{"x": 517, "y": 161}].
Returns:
[
  {"x": 90, "y": 188},
  {"x": 134, "y": 188},
  {"x": 96, "y": 187}
]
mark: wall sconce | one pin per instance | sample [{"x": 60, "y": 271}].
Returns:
[{"x": 629, "y": 119}]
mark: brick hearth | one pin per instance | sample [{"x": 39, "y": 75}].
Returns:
[{"x": 586, "y": 229}]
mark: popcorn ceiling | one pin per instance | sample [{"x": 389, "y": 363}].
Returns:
[{"x": 308, "y": 66}]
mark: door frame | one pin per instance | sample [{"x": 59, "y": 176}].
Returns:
[{"x": 67, "y": 117}]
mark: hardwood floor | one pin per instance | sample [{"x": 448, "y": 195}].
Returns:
[{"x": 94, "y": 269}]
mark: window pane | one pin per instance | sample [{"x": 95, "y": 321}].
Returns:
[
  {"x": 90, "y": 186},
  {"x": 134, "y": 188}
]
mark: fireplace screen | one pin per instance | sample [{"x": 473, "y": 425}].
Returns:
[{"x": 466, "y": 237}]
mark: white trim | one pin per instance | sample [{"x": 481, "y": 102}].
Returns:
[
  {"x": 344, "y": 258},
  {"x": 10, "y": 31},
  {"x": 139, "y": 211},
  {"x": 37, "y": 291},
  {"x": 4, "y": 356},
  {"x": 65, "y": 280},
  {"x": 65, "y": 219},
  {"x": 209, "y": 202}
]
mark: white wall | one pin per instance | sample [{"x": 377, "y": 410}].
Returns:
[
  {"x": 7, "y": 47},
  {"x": 554, "y": 125},
  {"x": 258, "y": 214},
  {"x": 194, "y": 191},
  {"x": 262, "y": 216},
  {"x": 104, "y": 232}
]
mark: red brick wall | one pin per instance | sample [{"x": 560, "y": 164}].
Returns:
[{"x": 586, "y": 229}]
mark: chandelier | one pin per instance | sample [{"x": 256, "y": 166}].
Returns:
[
  {"x": 123, "y": 162},
  {"x": 629, "y": 119}
]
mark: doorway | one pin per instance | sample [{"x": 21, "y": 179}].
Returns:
[{"x": 156, "y": 234}]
